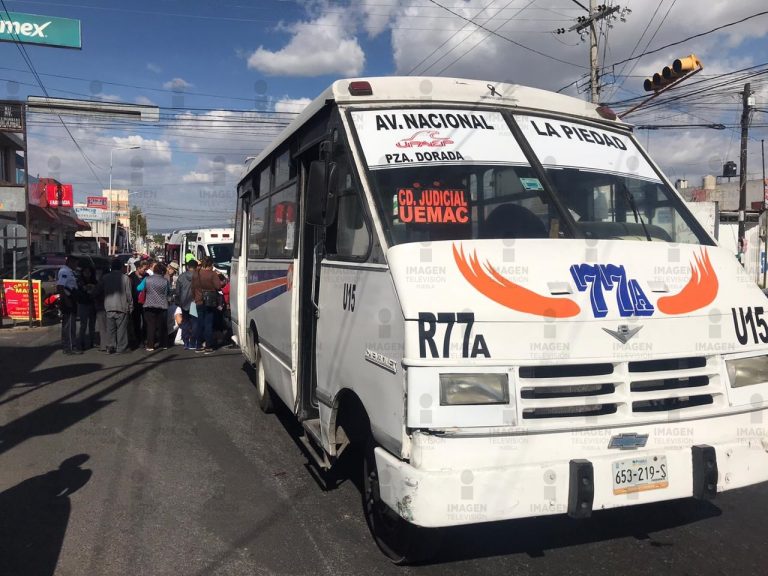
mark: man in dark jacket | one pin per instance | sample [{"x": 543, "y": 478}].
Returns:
[
  {"x": 118, "y": 303},
  {"x": 184, "y": 300}
]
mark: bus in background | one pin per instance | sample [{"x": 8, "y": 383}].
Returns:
[
  {"x": 214, "y": 242},
  {"x": 494, "y": 296}
]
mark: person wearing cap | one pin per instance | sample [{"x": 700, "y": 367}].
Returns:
[
  {"x": 66, "y": 285},
  {"x": 188, "y": 257},
  {"x": 172, "y": 274},
  {"x": 131, "y": 263}
]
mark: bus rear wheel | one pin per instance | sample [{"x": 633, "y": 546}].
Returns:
[
  {"x": 402, "y": 542},
  {"x": 263, "y": 392}
]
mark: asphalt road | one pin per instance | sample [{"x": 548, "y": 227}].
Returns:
[{"x": 161, "y": 463}]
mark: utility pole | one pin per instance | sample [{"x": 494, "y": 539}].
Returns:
[
  {"x": 596, "y": 13},
  {"x": 594, "y": 87},
  {"x": 746, "y": 100}
]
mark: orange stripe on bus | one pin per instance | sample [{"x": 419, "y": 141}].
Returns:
[
  {"x": 265, "y": 286},
  {"x": 700, "y": 290},
  {"x": 499, "y": 289}
]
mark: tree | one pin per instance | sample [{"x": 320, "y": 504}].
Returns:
[{"x": 138, "y": 222}]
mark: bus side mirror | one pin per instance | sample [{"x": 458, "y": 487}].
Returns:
[
  {"x": 333, "y": 191},
  {"x": 321, "y": 193},
  {"x": 317, "y": 192}
]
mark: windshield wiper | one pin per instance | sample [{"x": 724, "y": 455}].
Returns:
[{"x": 638, "y": 219}]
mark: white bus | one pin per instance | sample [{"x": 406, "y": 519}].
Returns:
[{"x": 495, "y": 295}]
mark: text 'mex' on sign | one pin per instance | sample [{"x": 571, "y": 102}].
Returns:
[{"x": 44, "y": 30}]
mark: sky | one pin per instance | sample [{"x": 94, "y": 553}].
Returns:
[{"x": 229, "y": 74}]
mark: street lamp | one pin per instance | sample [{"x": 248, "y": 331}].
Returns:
[{"x": 111, "y": 197}]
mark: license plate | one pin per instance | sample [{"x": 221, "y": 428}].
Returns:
[{"x": 640, "y": 474}]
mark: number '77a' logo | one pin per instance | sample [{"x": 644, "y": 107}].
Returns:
[{"x": 600, "y": 278}]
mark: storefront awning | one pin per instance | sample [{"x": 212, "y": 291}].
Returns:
[
  {"x": 42, "y": 215},
  {"x": 52, "y": 217},
  {"x": 72, "y": 221}
]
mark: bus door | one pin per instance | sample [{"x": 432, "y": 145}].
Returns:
[
  {"x": 239, "y": 270},
  {"x": 331, "y": 254},
  {"x": 311, "y": 252}
]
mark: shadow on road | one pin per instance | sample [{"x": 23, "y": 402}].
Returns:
[
  {"x": 35, "y": 380},
  {"x": 19, "y": 361},
  {"x": 33, "y": 519}
]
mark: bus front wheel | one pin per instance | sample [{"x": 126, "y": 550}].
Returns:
[
  {"x": 401, "y": 541},
  {"x": 263, "y": 392}
]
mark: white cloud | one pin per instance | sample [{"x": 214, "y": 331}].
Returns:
[
  {"x": 150, "y": 152},
  {"x": 319, "y": 47},
  {"x": 152, "y": 67},
  {"x": 177, "y": 84},
  {"x": 291, "y": 104},
  {"x": 197, "y": 177},
  {"x": 107, "y": 97},
  {"x": 144, "y": 101}
]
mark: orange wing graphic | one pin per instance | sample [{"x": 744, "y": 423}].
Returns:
[
  {"x": 493, "y": 285},
  {"x": 700, "y": 290}
]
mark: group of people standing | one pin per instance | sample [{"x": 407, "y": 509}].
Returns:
[{"x": 146, "y": 307}]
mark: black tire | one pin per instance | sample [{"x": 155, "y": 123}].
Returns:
[
  {"x": 400, "y": 541},
  {"x": 263, "y": 391}
]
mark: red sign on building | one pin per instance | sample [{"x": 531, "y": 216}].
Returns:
[
  {"x": 16, "y": 299},
  {"x": 96, "y": 202},
  {"x": 59, "y": 195}
]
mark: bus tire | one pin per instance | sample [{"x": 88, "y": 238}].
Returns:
[
  {"x": 402, "y": 542},
  {"x": 263, "y": 391}
]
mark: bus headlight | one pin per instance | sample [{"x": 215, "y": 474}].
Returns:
[
  {"x": 747, "y": 371},
  {"x": 464, "y": 389}
]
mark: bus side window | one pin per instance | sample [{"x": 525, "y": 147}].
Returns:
[
  {"x": 352, "y": 235},
  {"x": 257, "y": 229},
  {"x": 282, "y": 226}
]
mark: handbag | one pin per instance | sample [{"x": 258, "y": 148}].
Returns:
[{"x": 210, "y": 298}]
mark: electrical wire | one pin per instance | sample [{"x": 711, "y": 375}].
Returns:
[
  {"x": 639, "y": 40},
  {"x": 523, "y": 46},
  {"x": 660, "y": 48},
  {"x": 514, "y": 16},
  {"x": 25, "y": 56},
  {"x": 451, "y": 37}
]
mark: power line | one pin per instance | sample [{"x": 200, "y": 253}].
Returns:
[
  {"x": 25, "y": 56},
  {"x": 444, "y": 68},
  {"x": 640, "y": 39},
  {"x": 452, "y": 36},
  {"x": 523, "y": 46},
  {"x": 660, "y": 48}
]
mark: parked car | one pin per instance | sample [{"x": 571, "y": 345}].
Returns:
[{"x": 47, "y": 275}]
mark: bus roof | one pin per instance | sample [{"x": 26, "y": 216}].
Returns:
[{"x": 406, "y": 89}]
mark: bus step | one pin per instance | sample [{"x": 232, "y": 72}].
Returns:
[{"x": 313, "y": 443}]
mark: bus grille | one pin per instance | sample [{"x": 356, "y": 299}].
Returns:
[{"x": 620, "y": 391}]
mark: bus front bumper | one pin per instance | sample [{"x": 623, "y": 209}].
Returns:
[{"x": 462, "y": 480}]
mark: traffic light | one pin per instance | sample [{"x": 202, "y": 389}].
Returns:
[{"x": 680, "y": 68}]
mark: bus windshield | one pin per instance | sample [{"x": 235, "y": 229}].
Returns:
[
  {"x": 450, "y": 174},
  {"x": 221, "y": 253}
]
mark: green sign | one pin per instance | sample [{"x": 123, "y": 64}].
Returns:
[{"x": 34, "y": 29}]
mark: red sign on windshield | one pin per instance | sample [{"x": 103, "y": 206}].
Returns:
[{"x": 432, "y": 206}]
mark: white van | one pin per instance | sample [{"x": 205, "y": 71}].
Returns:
[
  {"x": 495, "y": 294},
  {"x": 214, "y": 242}
]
